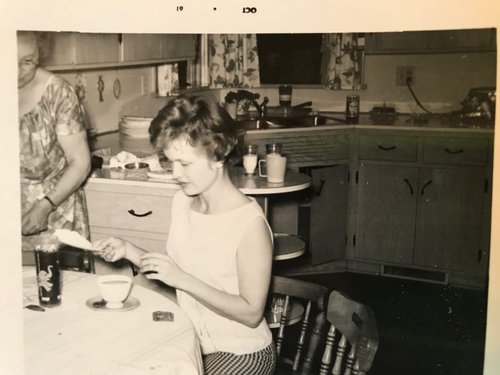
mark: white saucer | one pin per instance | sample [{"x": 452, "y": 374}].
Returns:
[{"x": 129, "y": 304}]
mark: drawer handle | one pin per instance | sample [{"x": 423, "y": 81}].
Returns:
[
  {"x": 422, "y": 191},
  {"x": 386, "y": 148},
  {"x": 132, "y": 212},
  {"x": 409, "y": 185},
  {"x": 459, "y": 151}
]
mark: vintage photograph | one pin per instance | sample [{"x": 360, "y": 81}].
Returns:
[{"x": 267, "y": 203}]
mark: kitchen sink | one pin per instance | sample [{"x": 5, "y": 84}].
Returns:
[{"x": 277, "y": 122}]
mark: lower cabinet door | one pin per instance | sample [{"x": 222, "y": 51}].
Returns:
[
  {"x": 329, "y": 214},
  {"x": 385, "y": 220},
  {"x": 449, "y": 218}
]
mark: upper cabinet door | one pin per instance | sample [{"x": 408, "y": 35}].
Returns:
[
  {"x": 151, "y": 47},
  {"x": 435, "y": 41},
  {"x": 82, "y": 49},
  {"x": 71, "y": 49}
]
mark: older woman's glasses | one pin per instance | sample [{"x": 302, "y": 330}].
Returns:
[{"x": 28, "y": 62}]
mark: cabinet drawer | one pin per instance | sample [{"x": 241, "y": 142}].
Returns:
[
  {"x": 147, "y": 213},
  {"x": 454, "y": 150},
  {"x": 387, "y": 147}
]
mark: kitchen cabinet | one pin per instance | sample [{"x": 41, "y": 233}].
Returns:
[
  {"x": 150, "y": 47},
  {"x": 432, "y": 41},
  {"x": 404, "y": 202},
  {"x": 425, "y": 212},
  {"x": 328, "y": 222},
  {"x": 71, "y": 50},
  {"x": 449, "y": 212},
  {"x": 385, "y": 224},
  {"x": 140, "y": 214}
]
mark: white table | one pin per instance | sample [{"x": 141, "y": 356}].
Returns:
[{"x": 74, "y": 339}]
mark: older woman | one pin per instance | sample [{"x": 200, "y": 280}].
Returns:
[
  {"x": 219, "y": 250},
  {"x": 54, "y": 154}
]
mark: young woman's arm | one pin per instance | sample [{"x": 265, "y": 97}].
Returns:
[{"x": 254, "y": 263}]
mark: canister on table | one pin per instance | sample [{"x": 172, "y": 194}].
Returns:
[
  {"x": 352, "y": 109},
  {"x": 48, "y": 274}
]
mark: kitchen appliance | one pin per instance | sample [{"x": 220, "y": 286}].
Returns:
[{"x": 478, "y": 108}]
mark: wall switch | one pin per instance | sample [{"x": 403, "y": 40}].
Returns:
[{"x": 405, "y": 73}]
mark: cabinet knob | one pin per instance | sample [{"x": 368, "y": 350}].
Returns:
[
  {"x": 409, "y": 185},
  {"x": 449, "y": 151},
  {"x": 386, "y": 148},
  {"x": 132, "y": 212},
  {"x": 422, "y": 191}
]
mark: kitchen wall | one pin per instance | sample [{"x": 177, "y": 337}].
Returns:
[
  {"x": 104, "y": 116},
  {"x": 441, "y": 82}
]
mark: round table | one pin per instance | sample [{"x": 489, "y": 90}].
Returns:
[{"x": 286, "y": 246}]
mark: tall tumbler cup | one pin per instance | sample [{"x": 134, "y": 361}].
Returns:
[
  {"x": 48, "y": 274},
  {"x": 285, "y": 95}
]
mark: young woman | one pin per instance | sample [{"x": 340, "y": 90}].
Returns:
[{"x": 219, "y": 250}]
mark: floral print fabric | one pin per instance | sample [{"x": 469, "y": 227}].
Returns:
[
  {"x": 42, "y": 160},
  {"x": 342, "y": 67},
  {"x": 233, "y": 60}
]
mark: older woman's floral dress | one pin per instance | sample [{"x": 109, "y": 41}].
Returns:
[{"x": 42, "y": 160}]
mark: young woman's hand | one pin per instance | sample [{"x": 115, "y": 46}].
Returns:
[
  {"x": 162, "y": 267},
  {"x": 113, "y": 248}
]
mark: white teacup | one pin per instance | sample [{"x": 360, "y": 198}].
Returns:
[
  {"x": 114, "y": 289},
  {"x": 276, "y": 168}
]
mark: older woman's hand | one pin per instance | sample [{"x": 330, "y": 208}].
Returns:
[
  {"x": 162, "y": 267},
  {"x": 36, "y": 219}
]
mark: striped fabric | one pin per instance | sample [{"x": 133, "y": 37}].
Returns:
[{"x": 262, "y": 362}]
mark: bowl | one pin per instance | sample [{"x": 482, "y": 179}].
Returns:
[
  {"x": 136, "y": 169},
  {"x": 114, "y": 289},
  {"x": 137, "y": 165}
]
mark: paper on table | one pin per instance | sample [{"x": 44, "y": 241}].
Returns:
[{"x": 74, "y": 239}]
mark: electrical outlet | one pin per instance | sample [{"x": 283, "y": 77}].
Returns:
[{"x": 405, "y": 73}]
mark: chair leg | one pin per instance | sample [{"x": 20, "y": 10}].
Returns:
[
  {"x": 302, "y": 337},
  {"x": 314, "y": 341},
  {"x": 281, "y": 331}
]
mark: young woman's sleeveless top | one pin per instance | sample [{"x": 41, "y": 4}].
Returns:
[{"x": 206, "y": 247}]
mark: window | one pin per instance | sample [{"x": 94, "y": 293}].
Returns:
[{"x": 289, "y": 58}]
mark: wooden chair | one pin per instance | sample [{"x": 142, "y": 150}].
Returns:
[
  {"x": 313, "y": 295},
  {"x": 331, "y": 322},
  {"x": 353, "y": 328}
]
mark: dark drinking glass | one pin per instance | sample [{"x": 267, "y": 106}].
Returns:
[{"x": 48, "y": 274}]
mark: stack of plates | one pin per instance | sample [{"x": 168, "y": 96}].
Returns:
[{"x": 135, "y": 127}]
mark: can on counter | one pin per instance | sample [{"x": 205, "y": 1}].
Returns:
[
  {"x": 48, "y": 274},
  {"x": 352, "y": 109}
]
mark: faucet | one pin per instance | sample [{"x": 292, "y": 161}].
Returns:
[{"x": 261, "y": 108}]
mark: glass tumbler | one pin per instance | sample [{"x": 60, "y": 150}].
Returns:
[{"x": 250, "y": 159}]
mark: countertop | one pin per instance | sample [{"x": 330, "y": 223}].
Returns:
[
  {"x": 445, "y": 122},
  {"x": 114, "y": 142}
]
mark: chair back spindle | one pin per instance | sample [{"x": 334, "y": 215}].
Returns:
[{"x": 349, "y": 328}]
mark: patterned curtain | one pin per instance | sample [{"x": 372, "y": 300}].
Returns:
[
  {"x": 342, "y": 66},
  {"x": 233, "y": 60}
]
